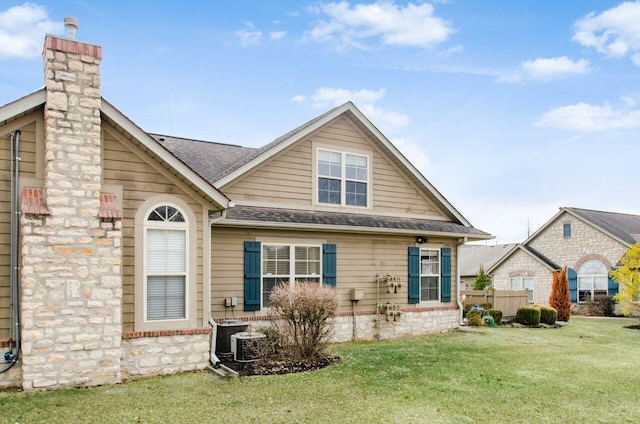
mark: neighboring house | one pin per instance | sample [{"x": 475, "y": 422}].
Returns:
[
  {"x": 472, "y": 256},
  {"x": 128, "y": 242},
  {"x": 588, "y": 242}
]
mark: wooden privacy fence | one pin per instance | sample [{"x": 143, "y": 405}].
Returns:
[{"x": 508, "y": 301}]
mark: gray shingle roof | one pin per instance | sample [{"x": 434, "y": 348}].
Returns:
[
  {"x": 541, "y": 257},
  {"x": 347, "y": 220},
  {"x": 626, "y": 227},
  {"x": 209, "y": 160},
  {"x": 471, "y": 256}
]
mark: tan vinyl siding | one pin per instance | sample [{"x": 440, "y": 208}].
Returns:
[
  {"x": 140, "y": 180},
  {"x": 359, "y": 258},
  {"x": 27, "y": 169},
  {"x": 287, "y": 178}
]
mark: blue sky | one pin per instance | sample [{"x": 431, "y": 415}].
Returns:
[{"x": 511, "y": 109}]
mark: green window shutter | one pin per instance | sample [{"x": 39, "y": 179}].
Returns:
[
  {"x": 573, "y": 285},
  {"x": 329, "y": 264},
  {"x": 252, "y": 274},
  {"x": 445, "y": 274},
  {"x": 414, "y": 274},
  {"x": 613, "y": 286}
]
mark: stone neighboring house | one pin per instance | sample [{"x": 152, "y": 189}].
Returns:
[
  {"x": 474, "y": 255},
  {"x": 588, "y": 242},
  {"x": 118, "y": 246}
]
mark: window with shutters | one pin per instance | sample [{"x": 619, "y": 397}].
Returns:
[
  {"x": 165, "y": 261},
  {"x": 288, "y": 264},
  {"x": 593, "y": 279},
  {"x": 342, "y": 178},
  {"x": 429, "y": 275}
]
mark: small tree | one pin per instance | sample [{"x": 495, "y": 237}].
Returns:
[
  {"x": 305, "y": 308},
  {"x": 627, "y": 275},
  {"x": 482, "y": 281},
  {"x": 559, "y": 299}
]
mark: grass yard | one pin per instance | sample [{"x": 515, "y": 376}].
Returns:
[{"x": 586, "y": 372}]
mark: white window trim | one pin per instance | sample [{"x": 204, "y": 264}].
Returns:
[
  {"x": 140, "y": 250},
  {"x": 343, "y": 152},
  {"x": 292, "y": 264},
  {"x": 591, "y": 277},
  {"x": 520, "y": 283},
  {"x": 439, "y": 275}
]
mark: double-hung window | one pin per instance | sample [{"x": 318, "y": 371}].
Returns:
[
  {"x": 522, "y": 283},
  {"x": 343, "y": 178},
  {"x": 429, "y": 275},
  {"x": 165, "y": 264},
  {"x": 288, "y": 264}
]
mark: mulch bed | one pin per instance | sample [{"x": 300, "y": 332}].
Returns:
[{"x": 274, "y": 367}]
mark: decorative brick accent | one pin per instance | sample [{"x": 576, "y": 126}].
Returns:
[
  {"x": 109, "y": 207},
  {"x": 33, "y": 202}
]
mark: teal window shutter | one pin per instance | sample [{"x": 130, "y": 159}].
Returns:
[
  {"x": 573, "y": 285},
  {"x": 252, "y": 274},
  {"x": 414, "y": 274},
  {"x": 445, "y": 274},
  {"x": 329, "y": 264},
  {"x": 613, "y": 286}
]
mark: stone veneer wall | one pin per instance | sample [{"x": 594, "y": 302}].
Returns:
[
  {"x": 71, "y": 291},
  {"x": 413, "y": 322},
  {"x": 585, "y": 240},
  {"x": 165, "y": 352},
  {"x": 520, "y": 264}
]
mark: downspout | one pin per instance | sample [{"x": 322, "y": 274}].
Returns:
[
  {"x": 11, "y": 357},
  {"x": 458, "y": 300}
]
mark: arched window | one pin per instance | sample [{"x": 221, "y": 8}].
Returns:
[
  {"x": 592, "y": 280},
  {"x": 165, "y": 231}
]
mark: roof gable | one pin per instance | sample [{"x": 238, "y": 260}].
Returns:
[
  {"x": 624, "y": 228},
  {"x": 252, "y": 160},
  {"x": 546, "y": 262}
]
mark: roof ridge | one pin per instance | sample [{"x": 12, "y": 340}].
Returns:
[
  {"x": 154, "y": 135},
  {"x": 601, "y": 211}
]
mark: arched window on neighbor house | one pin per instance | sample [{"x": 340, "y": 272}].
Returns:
[{"x": 592, "y": 280}]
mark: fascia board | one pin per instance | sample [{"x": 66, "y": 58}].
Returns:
[
  {"x": 22, "y": 105},
  {"x": 163, "y": 154}
]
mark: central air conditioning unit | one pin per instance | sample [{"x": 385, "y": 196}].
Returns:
[
  {"x": 247, "y": 346},
  {"x": 225, "y": 330}
]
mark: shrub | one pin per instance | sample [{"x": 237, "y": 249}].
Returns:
[
  {"x": 496, "y": 314},
  {"x": 466, "y": 308},
  {"x": 486, "y": 306},
  {"x": 601, "y": 305},
  {"x": 528, "y": 315},
  {"x": 305, "y": 309},
  {"x": 474, "y": 317},
  {"x": 559, "y": 299},
  {"x": 548, "y": 315},
  {"x": 482, "y": 280}
]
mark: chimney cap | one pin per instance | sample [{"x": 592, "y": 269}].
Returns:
[{"x": 71, "y": 24}]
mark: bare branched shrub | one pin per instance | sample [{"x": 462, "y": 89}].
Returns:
[{"x": 305, "y": 309}]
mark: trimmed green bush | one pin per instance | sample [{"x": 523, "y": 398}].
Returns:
[
  {"x": 496, "y": 314},
  {"x": 548, "y": 315},
  {"x": 486, "y": 306},
  {"x": 474, "y": 318},
  {"x": 528, "y": 315}
]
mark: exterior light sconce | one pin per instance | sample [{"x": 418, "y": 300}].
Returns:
[{"x": 421, "y": 239}]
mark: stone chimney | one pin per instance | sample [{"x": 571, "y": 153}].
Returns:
[{"x": 71, "y": 300}]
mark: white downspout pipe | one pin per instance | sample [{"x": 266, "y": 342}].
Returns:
[{"x": 458, "y": 299}]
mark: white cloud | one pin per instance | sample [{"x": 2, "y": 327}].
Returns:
[
  {"x": 386, "y": 120},
  {"x": 547, "y": 69},
  {"x": 615, "y": 32},
  {"x": 249, "y": 35},
  {"x": 584, "y": 117},
  {"x": 416, "y": 155},
  {"x": 412, "y": 26},
  {"x": 22, "y": 29},
  {"x": 332, "y": 97},
  {"x": 277, "y": 35}
]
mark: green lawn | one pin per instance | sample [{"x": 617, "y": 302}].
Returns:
[{"x": 585, "y": 372}]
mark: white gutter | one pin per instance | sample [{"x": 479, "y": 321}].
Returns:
[{"x": 458, "y": 300}]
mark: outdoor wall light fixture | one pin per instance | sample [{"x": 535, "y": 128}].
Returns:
[{"x": 421, "y": 239}]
